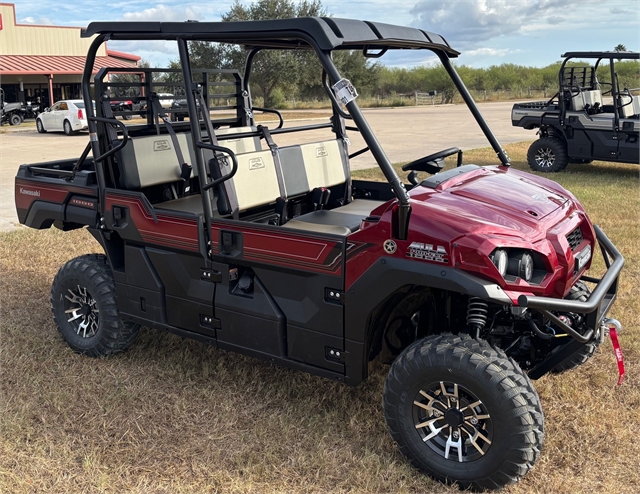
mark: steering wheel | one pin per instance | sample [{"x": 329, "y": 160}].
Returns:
[{"x": 430, "y": 164}]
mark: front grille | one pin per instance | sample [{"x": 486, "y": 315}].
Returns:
[{"x": 575, "y": 238}]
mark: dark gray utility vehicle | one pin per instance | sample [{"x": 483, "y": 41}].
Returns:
[
  {"x": 11, "y": 113},
  {"x": 578, "y": 125}
]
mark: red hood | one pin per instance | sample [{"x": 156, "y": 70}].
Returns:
[{"x": 490, "y": 200}]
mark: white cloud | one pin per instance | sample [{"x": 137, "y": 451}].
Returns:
[
  {"x": 164, "y": 13},
  {"x": 489, "y": 52},
  {"x": 42, "y": 21},
  {"x": 469, "y": 22}
]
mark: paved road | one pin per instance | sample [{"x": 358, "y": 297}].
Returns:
[{"x": 405, "y": 134}]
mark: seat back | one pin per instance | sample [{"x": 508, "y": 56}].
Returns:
[
  {"x": 151, "y": 160},
  {"x": 577, "y": 101},
  {"x": 592, "y": 98},
  {"x": 636, "y": 105},
  {"x": 628, "y": 109},
  {"x": 259, "y": 180},
  {"x": 256, "y": 181}
]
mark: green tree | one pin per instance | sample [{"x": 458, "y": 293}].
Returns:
[
  {"x": 620, "y": 48},
  {"x": 273, "y": 68}
]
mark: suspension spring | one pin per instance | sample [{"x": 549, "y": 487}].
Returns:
[{"x": 477, "y": 314}]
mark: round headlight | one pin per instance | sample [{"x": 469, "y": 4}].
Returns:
[
  {"x": 526, "y": 267},
  {"x": 500, "y": 260}
]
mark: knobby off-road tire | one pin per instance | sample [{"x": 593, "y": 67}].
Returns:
[
  {"x": 85, "y": 309},
  {"x": 463, "y": 412},
  {"x": 548, "y": 154},
  {"x": 15, "y": 119},
  {"x": 580, "y": 292}
]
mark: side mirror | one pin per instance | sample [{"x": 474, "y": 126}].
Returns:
[{"x": 47, "y": 109}]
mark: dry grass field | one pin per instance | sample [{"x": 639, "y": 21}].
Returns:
[{"x": 177, "y": 416}]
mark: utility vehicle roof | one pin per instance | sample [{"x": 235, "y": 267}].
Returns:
[
  {"x": 327, "y": 33},
  {"x": 618, "y": 55}
]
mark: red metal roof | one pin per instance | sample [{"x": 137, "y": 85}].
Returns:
[{"x": 43, "y": 65}]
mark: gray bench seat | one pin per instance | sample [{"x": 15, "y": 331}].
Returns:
[{"x": 339, "y": 221}]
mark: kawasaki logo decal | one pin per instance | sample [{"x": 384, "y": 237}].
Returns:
[{"x": 27, "y": 192}]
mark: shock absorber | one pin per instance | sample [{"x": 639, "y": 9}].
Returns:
[{"x": 477, "y": 314}]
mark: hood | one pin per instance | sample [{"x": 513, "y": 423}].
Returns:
[{"x": 490, "y": 198}]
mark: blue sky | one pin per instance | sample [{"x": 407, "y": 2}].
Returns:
[{"x": 487, "y": 32}]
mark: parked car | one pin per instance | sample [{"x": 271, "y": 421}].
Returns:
[{"x": 68, "y": 116}]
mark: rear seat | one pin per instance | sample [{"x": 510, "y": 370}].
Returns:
[
  {"x": 151, "y": 160},
  {"x": 261, "y": 178}
]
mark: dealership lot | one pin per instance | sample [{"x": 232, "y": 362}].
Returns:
[{"x": 405, "y": 134}]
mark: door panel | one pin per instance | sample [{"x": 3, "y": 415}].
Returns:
[
  {"x": 288, "y": 308},
  {"x": 628, "y": 141}
]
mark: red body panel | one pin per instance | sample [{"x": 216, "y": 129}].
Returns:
[
  {"x": 469, "y": 216},
  {"x": 28, "y": 191},
  {"x": 177, "y": 232},
  {"x": 284, "y": 247}
]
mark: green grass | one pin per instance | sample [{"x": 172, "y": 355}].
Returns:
[{"x": 177, "y": 416}]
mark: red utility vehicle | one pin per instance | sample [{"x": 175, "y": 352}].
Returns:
[{"x": 470, "y": 282}]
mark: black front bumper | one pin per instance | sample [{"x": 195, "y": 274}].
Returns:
[{"x": 599, "y": 302}]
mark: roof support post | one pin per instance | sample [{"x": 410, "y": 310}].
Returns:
[
  {"x": 93, "y": 126},
  {"x": 404, "y": 209},
  {"x": 195, "y": 127}
]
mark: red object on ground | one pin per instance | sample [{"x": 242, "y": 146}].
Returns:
[{"x": 618, "y": 352}]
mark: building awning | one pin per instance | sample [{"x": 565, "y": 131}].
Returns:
[{"x": 55, "y": 65}]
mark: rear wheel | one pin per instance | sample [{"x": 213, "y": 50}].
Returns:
[
  {"x": 548, "y": 154},
  {"x": 85, "y": 309},
  {"x": 463, "y": 412},
  {"x": 40, "y": 126},
  {"x": 15, "y": 119},
  {"x": 67, "y": 128}
]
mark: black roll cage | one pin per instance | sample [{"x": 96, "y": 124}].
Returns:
[
  {"x": 599, "y": 57},
  {"x": 294, "y": 39}
]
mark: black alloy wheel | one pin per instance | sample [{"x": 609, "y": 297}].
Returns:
[
  {"x": 85, "y": 308},
  {"x": 548, "y": 154},
  {"x": 463, "y": 412}
]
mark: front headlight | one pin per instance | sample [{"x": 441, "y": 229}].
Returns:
[
  {"x": 519, "y": 263},
  {"x": 500, "y": 260}
]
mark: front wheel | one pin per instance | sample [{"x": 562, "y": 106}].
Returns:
[
  {"x": 40, "y": 126},
  {"x": 15, "y": 119},
  {"x": 548, "y": 154},
  {"x": 463, "y": 412},
  {"x": 85, "y": 309},
  {"x": 67, "y": 128}
]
